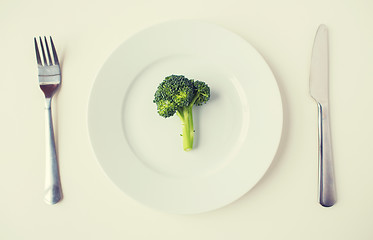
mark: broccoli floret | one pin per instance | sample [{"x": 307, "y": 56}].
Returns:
[{"x": 178, "y": 94}]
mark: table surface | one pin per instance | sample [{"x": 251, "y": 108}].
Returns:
[{"x": 283, "y": 205}]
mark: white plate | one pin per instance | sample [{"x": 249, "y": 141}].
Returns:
[{"x": 237, "y": 131}]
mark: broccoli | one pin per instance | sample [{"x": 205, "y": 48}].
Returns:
[{"x": 178, "y": 94}]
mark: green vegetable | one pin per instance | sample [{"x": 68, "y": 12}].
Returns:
[{"x": 178, "y": 94}]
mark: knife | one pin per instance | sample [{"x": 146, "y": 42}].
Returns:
[{"x": 319, "y": 90}]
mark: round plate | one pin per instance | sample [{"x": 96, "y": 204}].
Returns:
[{"x": 237, "y": 131}]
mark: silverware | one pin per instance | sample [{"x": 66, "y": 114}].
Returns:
[
  {"x": 49, "y": 81},
  {"x": 319, "y": 90}
]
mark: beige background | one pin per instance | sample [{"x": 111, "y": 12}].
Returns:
[{"x": 284, "y": 203}]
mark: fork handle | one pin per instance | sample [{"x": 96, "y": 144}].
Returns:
[
  {"x": 327, "y": 190},
  {"x": 52, "y": 188}
]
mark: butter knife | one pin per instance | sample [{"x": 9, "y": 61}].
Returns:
[{"x": 319, "y": 90}]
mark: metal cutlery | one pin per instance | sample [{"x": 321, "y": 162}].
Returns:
[
  {"x": 49, "y": 81},
  {"x": 319, "y": 90}
]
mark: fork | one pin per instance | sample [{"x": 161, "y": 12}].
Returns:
[{"x": 49, "y": 81}]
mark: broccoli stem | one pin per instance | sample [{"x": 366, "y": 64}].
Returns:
[{"x": 186, "y": 117}]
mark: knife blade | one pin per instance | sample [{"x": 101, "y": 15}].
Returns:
[{"x": 319, "y": 90}]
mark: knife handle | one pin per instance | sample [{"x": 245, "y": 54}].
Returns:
[{"x": 327, "y": 190}]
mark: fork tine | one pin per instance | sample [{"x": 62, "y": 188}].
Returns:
[
  {"x": 37, "y": 52},
  {"x": 49, "y": 54},
  {"x": 54, "y": 52},
  {"x": 43, "y": 52}
]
